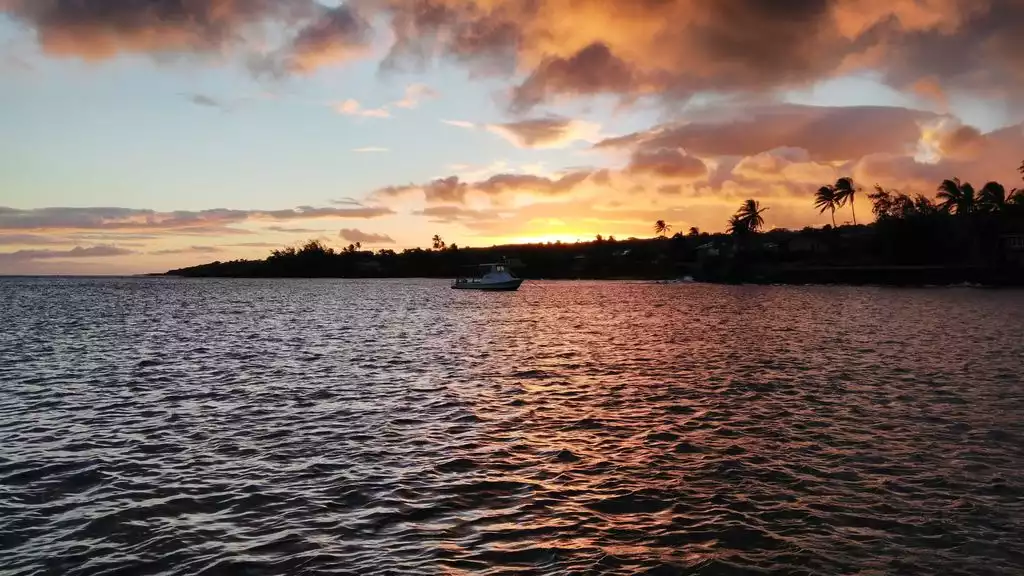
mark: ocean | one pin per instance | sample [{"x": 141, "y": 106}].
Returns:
[{"x": 213, "y": 426}]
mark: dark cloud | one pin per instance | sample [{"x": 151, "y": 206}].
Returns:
[
  {"x": 189, "y": 250},
  {"x": 442, "y": 190},
  {"x": 509, "y": 183},
  {"x": 670, "y": 49},
  {"x": 452, "y": 190},
  {"x": 449, "y": 214},
  {"x": 255, "y": 245},
  {"x": 76, "y": 252},
  {"x": 209, "y": 222},
  {"x": 826, "y": 133},
  {"x": 674, "y": 49},
  {"x": 994, "y": 156},
  {"x": 97, "y": 29},
  {"x": 204, "y": 100},
  {"x": 293, "y": 230},
  {"x": 549, "y": 132},
  {"x": 353, "y": 235},
  {"x": 30, "y": 240},
  {"x": 961, "y": 141},
  {"x": 667, "y": 163},
  {"x": 101, "y": 29},
  {"x": 336, "y": 35}
]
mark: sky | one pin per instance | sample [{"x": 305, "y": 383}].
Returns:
[{"x": 146, "y": 135}]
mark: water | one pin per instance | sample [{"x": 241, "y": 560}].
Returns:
[{"x": 172, "y": 426}]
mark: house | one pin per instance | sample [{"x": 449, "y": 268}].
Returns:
[
  {"x": 1013, "y": 246},
  {"x": 807, "y": 245}
]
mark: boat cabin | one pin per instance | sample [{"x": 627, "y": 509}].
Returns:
[{"x": 485, "y": 273}]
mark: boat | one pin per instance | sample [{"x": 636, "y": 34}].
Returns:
[{"x": 495, "y": 277}]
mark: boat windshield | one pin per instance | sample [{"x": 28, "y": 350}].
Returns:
[{"x": 476, "y": 273}]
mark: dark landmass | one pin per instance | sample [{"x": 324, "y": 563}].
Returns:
[{"x": 913, "y": 241}]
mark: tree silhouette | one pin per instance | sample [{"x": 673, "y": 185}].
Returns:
[
  {"x": 438, "y": 243},
  {"x": 694, "y": 231},
  {"x": 750, "y": 213},
  {"x": 662, "y": 228},
  {"x": 827, "y": 198},
  {"x": 845, "y": 191},
  {"x": 956, "y": 197},
  {"x": 737, "y": 226},
  {"x": 992, "y": 197}
]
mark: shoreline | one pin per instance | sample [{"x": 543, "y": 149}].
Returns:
[{"x": 881, "y": 276}]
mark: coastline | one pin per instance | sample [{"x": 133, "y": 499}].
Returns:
[{"x": 895, "y": 276}]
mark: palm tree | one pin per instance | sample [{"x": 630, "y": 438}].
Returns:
[
  {"x": 956, "y": 197},
  {"x": 438, "y": 242},
  {"x": 751, "y": 213},
  {"x": 845, "y": 192},
  {"x": 992, "y": 197},
  {"x": 827, "y": 199},
  {"x": 662, "y": 228},
  {"x": 737, "y": 225}
]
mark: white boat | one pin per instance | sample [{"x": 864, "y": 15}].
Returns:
[{"x": 494, "y": 277}]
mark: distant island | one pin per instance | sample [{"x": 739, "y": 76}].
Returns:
[{"x": 963, "y": 236}]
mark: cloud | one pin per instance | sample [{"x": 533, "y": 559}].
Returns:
[
  {"x": 993, "y": 155},
  {"x": 339, "y": 34},
  {"x": 495, "y": 188},
  {"x": 100, "y": 29},
  {"x": 449, "y": 214},
  {"x": 353, "y": 235},
  {"x": 30, "y": 240},
  {"x": 827, "y": 133},
  {"x": 414, "y": 94},
  {"x": 352, "y": 107},
  {"x": 460, "y": 124},
  {"x": 204, "y": 100},
  {"x": 558, "y": 49},
  {"x": 667, "y": 163},
  {"x": 207, "y": 222},
  {"x": 189, "y": 250},
  {"x": 291, "y": 230},
  {"x": 347, "y": 201},
  {"x": 443, "y": 190},
  {"x": 550, "y": 132},
  {"x": 76, "y": 252},
  {"x": 675, "y": 49},
  {"x": 370, "y": 149},
  {"x": 256, "y": 244}
]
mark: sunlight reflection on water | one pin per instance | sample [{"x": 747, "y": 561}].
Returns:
[{"x": 174, "y": 426}]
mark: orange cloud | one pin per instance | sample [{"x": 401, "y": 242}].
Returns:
[
  {"x": 414, "y": 94},
  {"x": 203, "y": 222},
  {"x": 352, "y": 107},
  {"x": 559, "y": 49},
  {"x": 460, "y": 124},
  {"x": 337, "y": 35},
  {"x": 826, "y": 133},
  {"x": 354, "y": 235},
  {"x": 667, "y": 163},
  {"x": 674, "y": 49}
]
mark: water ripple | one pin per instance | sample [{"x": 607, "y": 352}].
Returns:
[{"x": 171, "y": 426}]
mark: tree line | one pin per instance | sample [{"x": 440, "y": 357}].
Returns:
[{"x": 960, "y": 227}]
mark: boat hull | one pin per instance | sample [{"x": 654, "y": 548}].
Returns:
[{"x": 506, "y": 286}]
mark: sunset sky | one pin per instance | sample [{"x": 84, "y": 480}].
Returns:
[{"x": 144, "y": 135}]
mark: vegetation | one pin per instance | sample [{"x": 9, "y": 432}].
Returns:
[
  {"x": 961, "y": 235},
  {"x": 662, "y": 228}
]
